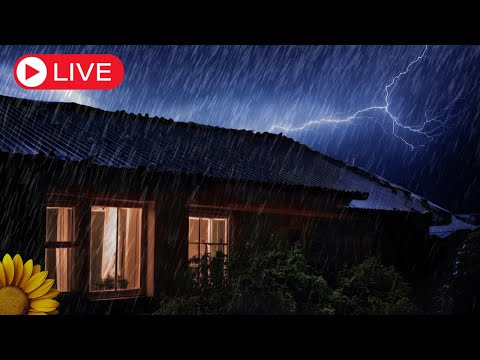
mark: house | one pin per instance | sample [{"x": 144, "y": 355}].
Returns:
[{"x": 113, "y": 204}]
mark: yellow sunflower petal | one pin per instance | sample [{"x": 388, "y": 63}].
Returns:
[
  {"x": 49, "y": 295},
  {"x": 54, "y": 312},
  {"x": 42, "y": 289},
  {"x": 35, "y": 281},
  {"x": 34, "y": 312},
  {"x": 8, "y": 268},
  {"x": 45, "y": 305},
  {"x": 36, "y": 269},
  {"x": 18, "y": 269},
  {"x": 3, "y": 280},
  {"x": 27, "y": 273}
]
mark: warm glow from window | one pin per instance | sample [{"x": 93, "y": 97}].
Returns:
[
  {"x": 115, "y": 248},
  {"x": 207, "y": 236},
  {"x": 59, "y": 260}
]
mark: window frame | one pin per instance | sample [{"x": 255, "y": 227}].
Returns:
[{"x": 122, "y": 293}]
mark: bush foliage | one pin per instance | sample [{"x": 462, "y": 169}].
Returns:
[
  {"x": 279, "y": 281},
  {"x": 373, "y": 289}
]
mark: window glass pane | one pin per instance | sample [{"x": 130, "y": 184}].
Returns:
[
  {"x": 60, "y": 266},
  {"x": 219, "y": 231},
  {"x": 52, "y": 221},
  {"x": 65, "y": 219},
  {"x": 219, "y": 236},
  {"x": 204, "y": 231},
  {"x": 217, "y": 248},
  {"x": 193, "y": 251},
  {"x": 59, "y": 224},
  {"x": 193, "y": 230},
  {"x": 204, "y": 249},
  {"x": 60, "y": 261},
  {"x": 129, "y": 241}
]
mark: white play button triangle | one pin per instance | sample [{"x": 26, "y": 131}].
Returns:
[{"x": 31, "y": 72}]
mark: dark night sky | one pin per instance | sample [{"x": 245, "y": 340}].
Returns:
[{"x": 256, "y": 87}]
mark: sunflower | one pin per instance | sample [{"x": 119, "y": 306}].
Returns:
[{"x": 25, "y": 289}]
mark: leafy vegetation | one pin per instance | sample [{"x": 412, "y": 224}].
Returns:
[
  {"x": 279, "y": 281},
  {"x": 373, "y": 289}
]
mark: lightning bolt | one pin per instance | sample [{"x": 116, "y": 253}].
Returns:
[{"x": 435, "y": 125}]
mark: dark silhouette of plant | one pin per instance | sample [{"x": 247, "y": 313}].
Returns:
[
  {"x": 461, "y": 293},
  {"x": 371, "y": 288},
  {"x": 259, "y": 282},
  {"x": 274, "y": 280}
]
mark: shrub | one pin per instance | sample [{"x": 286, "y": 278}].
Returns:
[
  {"x": 279, "y": 281},
  {"x": 260, "y": 282},
  {"x": 371, "y": 288}
]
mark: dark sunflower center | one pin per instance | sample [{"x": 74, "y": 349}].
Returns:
[{"x": 13, "y": 301}]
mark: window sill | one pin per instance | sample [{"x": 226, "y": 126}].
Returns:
[{"x": 115, "y": 295}]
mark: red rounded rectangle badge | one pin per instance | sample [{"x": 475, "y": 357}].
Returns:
[{"x": 68, "y": 71}]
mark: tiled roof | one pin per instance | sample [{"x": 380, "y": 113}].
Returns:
[{"x": 117, "y": 139}]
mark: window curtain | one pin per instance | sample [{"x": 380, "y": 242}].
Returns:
[
  {"x": 129, "y": 250},
  {"x": 97, "y": 231},
  {"x": 109, "y": 243}
]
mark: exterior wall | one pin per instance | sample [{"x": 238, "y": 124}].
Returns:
[
  {"x": 404, "y": 240},
  {"x": 332, "y": 243},
  {"x": 21, "y": 198},
  {"x": 400, "y": 239}
]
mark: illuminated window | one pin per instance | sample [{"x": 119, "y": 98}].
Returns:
[
  {"x": 115, "y": 248},
  {"x": 206, "y": 236},
  {"x": 59, "y": 252}
]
